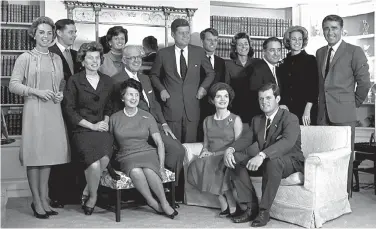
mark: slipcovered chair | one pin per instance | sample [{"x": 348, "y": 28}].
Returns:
[{"x": 310, "y": 200}]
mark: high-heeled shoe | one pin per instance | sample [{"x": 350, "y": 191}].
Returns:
[
  {"x": 225, "y": 212},
  {"x": 84, "y": 198},
  {"x": 52, "y": 212},
  {"x": 172, "y": 216},
  {"x": 158, "y": 212},
  {"x": 88, "y": 210},
  {"x": 37, "y": 215}
]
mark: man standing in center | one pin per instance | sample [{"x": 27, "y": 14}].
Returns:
[{"x": 176, "y": 76}]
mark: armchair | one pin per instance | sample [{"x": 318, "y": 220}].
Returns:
[{"x": 321, "y": 198}]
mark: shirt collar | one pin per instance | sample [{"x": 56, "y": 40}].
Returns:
[
  {"x": 131, "y": 74},
  {"x": 269, "y": 64},
  {"x": 336, "y": 46},
  {"x": 177, "y": 49},
  {"x": 212, "y": 55},
  {"x": 61, "y": 47},
  {"x": 272, "y": 115}
]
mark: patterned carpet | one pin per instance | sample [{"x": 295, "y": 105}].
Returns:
[{"x": 19, "y": 215}]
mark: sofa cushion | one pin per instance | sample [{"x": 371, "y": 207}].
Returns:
[
  {"x": 125, "y": 182},
  {"x": 294, "y": 179}
]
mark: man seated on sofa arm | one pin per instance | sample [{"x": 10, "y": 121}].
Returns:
[{"x": 273, "y": 141}]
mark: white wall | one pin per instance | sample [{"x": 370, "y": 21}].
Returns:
[{"x": 56, "y": 10}]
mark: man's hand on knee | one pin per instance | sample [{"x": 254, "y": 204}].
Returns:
[{"x": 255, "y": 163}]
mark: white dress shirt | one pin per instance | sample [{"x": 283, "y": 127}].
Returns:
[
  {"x": 335, "y": 48},
  {"x": 211, "y": 59},
  {"x": 177, "y": 56},
  {"x": 135, "y": 77},
  {"x": 272, "y": 69}
]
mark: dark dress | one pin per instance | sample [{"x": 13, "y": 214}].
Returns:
[
  {"x": 131, "y": 135},
  {"x": 238, "y": 78},
  {"x": 82, "y": 101},
  {"x": 299, "y": 83},
  {"x": 206, "y": 173}
]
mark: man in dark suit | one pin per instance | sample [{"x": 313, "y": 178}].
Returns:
[
  {"x": 64, "y": 187},
  {"x": 209, "y": 39},
  {"x": 150, "y": 45},
  {"x": 273, "y": 142},
  {"x": 341, "y": 67},
  {"x": 66, "y": 35},
  {"x": 176, "y": 76},
  {"x": 174, "y": 150},
  {"x": 263, "y": 71}
]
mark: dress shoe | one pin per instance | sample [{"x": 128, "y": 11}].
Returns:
[
  {"x": 158, "y": 212},
  {"x": 248, "y": 215},
  {"x": 88, "y": 210},
  {"x": 52, "y": 212},
  {"x": 56, "y": 204},
  {"x": 225, "y": 212},
  {"x": 262, "y": 219},
  {"x": 84, "y": 198},
  {"x": 237, "y": 213},
  {"x": 37, "y": 215},
  {"x": 172, "y": 216}
]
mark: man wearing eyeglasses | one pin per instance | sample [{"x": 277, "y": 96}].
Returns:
[{"x": 132, "y": 59}]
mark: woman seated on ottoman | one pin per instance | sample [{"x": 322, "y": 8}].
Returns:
[
  {"x": 207, "y": 172},
  {"x": 131, "y": 128}
]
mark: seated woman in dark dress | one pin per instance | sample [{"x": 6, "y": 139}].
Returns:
[
  {"x": 220, "y": 130},
  {"x": 87, "y": 104},
  {"x": 144, "y": 164}
]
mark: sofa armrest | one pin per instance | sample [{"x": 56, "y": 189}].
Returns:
[
  {"x": 327, "y": 171},
  {"x": 192, "y": 151}
]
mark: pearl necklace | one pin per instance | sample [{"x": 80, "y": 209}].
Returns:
[
  {"x": 130, "y": 115},
  {"x": 45, "y": 53}
]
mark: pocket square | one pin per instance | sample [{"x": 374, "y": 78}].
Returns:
[
  {"x": 278, "y": 137},
  {"x": 196, "y": 65},
  {"x": 150, "y": 91}
]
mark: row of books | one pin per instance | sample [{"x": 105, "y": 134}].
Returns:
[
  {"x": 13, "y": 120},
  {"x": 224, "y": 48},
  {"x": 10, "y": 98},
  {"x": 253, "y": 26},
  {"x": 7, "y": 64},
  {"x": 18, "y": 12},
  {"x": 15, "y": 39}
]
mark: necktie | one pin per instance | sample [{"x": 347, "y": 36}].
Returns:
[
  {"x": 275, "y": 77},
  {"x": 328, "y": 61},
  {"x": 183, "y": 65},
  {"x": 267, "y": 127},
  {"x": 68, "y": 58},
  {"x": 210, "y": 58}
]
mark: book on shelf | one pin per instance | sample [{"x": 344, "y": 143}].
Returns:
[
  {"x": 267, "y": 27},
  {"x": 15, "y": 39},
  {"x": 13, "y": 120},
  {"x": 10, "y": 98},
  {"x": 18, "y": 12},
  {"x": 7, "y": 64}
]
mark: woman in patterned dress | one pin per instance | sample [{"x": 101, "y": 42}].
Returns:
[
  {"x": 131, "y": 128},
  {"x": 221, "y": 129},
  {"x": 37, "y": 75}
]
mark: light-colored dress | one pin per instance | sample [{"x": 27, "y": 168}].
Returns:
[
  {"x": 131, "y": 135},
  {"x": 44, "y": 137},
  {"x": 205, "y": 173}
]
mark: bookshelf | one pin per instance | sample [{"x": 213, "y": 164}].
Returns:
[
  {"x": 264, "y": 23},
  {"x": 16, "y": 19}
]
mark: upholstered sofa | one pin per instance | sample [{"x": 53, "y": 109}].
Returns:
[{"x": 322, "y": 196}]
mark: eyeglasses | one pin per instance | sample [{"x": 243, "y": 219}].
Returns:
[{"x": 133, "y": 58}]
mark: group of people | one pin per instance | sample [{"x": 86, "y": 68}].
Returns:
[{"x": 100, "y": 108}]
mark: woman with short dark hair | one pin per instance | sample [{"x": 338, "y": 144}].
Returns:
[
  {"x": 220, "y": 130},
  {"x": 299, "y": 69},
  {"x": 37, "y": 75},
  {"x": 117, "y": 38},
  {"x": 88, "y": 107},
  {"x": 131, "y": 128},
  {"x": 237, "y": 76}
]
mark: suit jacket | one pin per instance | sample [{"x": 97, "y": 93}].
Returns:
[
  {"x": 284, "y": 137},
  {"x": 219, "y": 69},
  {"x": 336, "y": 90},
  {"x": 76, "y": 65},
  {"x": 259, "y": 74},
  {"x": 81, "y": 101},
  {"x": 149, "y": 58},
  {"x": 155, "y": 107},
  {"x": 164, "y": 76}
]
